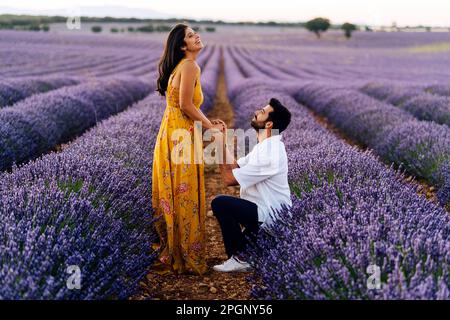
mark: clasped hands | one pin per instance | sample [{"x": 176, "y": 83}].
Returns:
[
  {"x": 219, "y": 129},
  {"x": 218, "y": 125}
]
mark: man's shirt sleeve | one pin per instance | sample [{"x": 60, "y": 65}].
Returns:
[{"x": 254, "y": 172}]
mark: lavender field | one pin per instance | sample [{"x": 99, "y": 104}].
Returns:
[{"x": 78, "y": 121}]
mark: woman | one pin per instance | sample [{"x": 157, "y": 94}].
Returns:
[{"x": 178, "y": 195}]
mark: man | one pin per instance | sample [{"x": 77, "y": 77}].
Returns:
[{"x": 262, "y": 176}]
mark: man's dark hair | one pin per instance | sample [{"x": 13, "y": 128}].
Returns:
[{"x": 280, "y": 116}]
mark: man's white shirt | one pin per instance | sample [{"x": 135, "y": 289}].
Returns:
[{"x": 262, "y": 176}]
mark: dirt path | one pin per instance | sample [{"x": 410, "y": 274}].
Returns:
[{"x": 213, "y": 285}]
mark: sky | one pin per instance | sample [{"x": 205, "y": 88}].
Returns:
[{"x": 373, "y": 12}]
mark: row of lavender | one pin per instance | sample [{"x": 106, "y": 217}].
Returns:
[
  {"x": 393, "y": 56},
  {"x": 420, "y": 147},
  {"x": 425, "y": 102},
  {"x": 88, "y": 207},
  {"x": 429, "y": 103},
  {"x": 91, "y": 64},
  {"x": 349, "y": 213},
  {"x": 405, "y": 82},
  {"x": 40, "y": 122},
  {"x": 210, "y": 76},
  {"x": 62, "y": 60},
  {"x": 71, "y": 57},
  {"x": 32, "y": 55},
  {"x": 14, "y": 90}
]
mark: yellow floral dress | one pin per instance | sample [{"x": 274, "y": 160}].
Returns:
[{"x": 178, "y": 188}]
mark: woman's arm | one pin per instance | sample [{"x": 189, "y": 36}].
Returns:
[{"x": 188, "y": 74}]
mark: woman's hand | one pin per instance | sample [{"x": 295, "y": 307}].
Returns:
[
  {"x": 218, "y": 127},
  {"x": 219, "y": 124}
]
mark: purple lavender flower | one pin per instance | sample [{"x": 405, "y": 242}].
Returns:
[
  {"x": 14, "y": 90},
  {"x": 37, "y": 124},
  {"x": 349, "y": 210},
  {"x": 89, "y": 206}
]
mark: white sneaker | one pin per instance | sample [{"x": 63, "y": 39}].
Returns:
[{"x": 233, "y": 265}]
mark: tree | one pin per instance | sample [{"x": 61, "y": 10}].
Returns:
[
  {"x": 348, "y": 29},
  {"x": 96, "y": 29},
  {"x": 34, "y": 27},
  {"x": 318, "y": 25}
]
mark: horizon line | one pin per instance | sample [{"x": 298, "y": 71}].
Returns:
[{"x": 35, "y": 12}]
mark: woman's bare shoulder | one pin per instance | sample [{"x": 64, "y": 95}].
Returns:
[{"x": 190, "y": 66}]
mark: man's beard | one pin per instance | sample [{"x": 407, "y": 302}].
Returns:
[{"x": 258, "y": 125}]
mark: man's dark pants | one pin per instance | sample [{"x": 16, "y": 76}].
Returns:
[{"x": 232, "y": 213}]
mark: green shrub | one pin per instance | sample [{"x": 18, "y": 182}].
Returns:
[
  {"x": 96, "y": 29},
  {"x": 147, "y": 28},
  {"x": 348, "y": 29},
  {"x": 163, "y": 28}
]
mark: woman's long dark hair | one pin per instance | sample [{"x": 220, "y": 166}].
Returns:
[{"x": 171, "y": 57}]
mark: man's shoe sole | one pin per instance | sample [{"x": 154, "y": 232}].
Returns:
[{"x": 241, "y": 270}]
